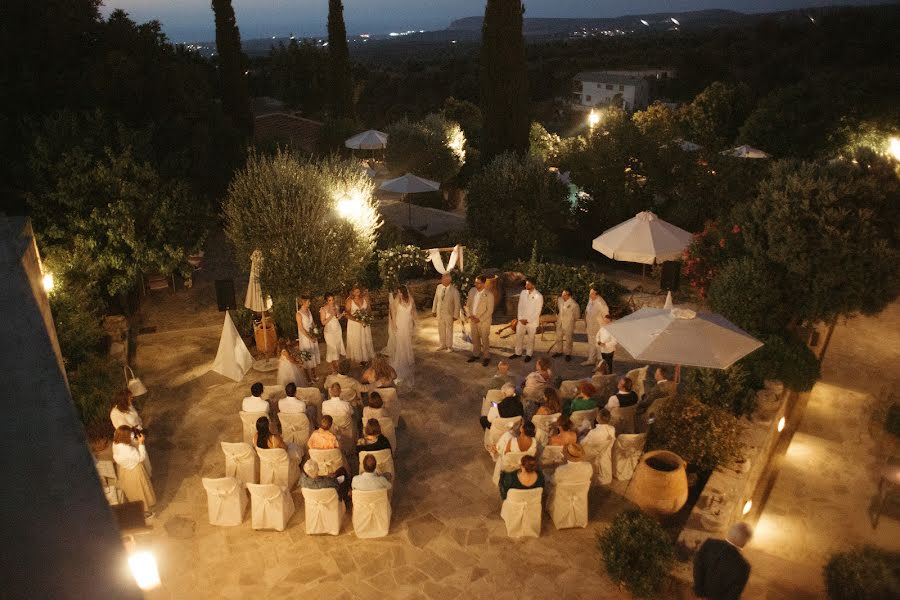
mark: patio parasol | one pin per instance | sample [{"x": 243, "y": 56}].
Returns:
[
  {"x": 745, "y": 152},
  {"x": 254, "y": 299},
  {"x": 645, "y": 238},
  {"x": 410, "y": 184},
  {"x": 367, "y": 140}
]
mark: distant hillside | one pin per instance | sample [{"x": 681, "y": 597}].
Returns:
[{"x": 656, "y": 21}]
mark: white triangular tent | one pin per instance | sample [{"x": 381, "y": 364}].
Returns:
[{"x": 233, "y": 360}]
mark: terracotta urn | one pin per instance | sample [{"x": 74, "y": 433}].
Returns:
[{"x": 659, "y": 486}]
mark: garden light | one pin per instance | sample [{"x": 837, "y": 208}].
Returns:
[
  {"x": 593, "y": 118},
  {"x": 350, "y": 207},
  {"x": 48, "y": 282},
  {"x": 747, "y": 506},
  {"x": 894, "y": 148},
  {"x": 781, "y": 423},
  {"x": 143, "y": 568}
]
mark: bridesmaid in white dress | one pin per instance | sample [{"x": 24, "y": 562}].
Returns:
[
  {"x": 359, "y": 337},
  {"x": 330, "y": 317},
  {"x": 308, "y": 337},
  {"x": 403, "y": 322}
]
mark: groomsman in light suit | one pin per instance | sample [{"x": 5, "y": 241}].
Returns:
[
  {"x": 480, "y": 308},
  {"x": 594, "y": 316},
  {"x": 531, "y": 303},
  {"x": 446, "y": 308}
]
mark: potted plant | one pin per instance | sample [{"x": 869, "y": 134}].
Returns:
[{"x": 659, "y": 486}]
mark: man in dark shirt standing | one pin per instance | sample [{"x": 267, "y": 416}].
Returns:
[{"x": 720, "y": 570}]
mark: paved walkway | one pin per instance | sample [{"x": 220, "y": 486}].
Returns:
[{"x": 829, "y": 475}]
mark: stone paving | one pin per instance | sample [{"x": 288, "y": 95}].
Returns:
[{"x": 447, "y": 539}]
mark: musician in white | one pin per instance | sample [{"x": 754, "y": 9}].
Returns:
[
  {"x": 446, "y": 308},
  {"x": 568, "y": 312},
  {"x": 594, "y": 316},
  {"x": 531, "y": 302}
]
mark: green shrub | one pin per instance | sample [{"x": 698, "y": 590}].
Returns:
[
  {"x": 78, "y": 324},
  {"x": 704, "y": 436},
  {"x": 786, "y": 359},
  {"x": 751, "y": 294},
  {"x": 433, "y": 148},
  {"x": 243, "y": 320},
  {"x": 93, "y": 386},
  {"x": 284, "y": 313},
  {"x": 866, "y": 573},
  {"x": 637, "y": 552},
  {"x": 729, "y": 389},
  {"x": 400, "y": 263}
]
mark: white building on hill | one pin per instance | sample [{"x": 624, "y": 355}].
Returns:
[{"x": 602, "y": 88}]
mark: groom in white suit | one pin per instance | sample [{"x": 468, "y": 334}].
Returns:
[
  {"x": 531, "y": 303},
  {"x": 446, "y": 308},
  {"x": 594, "y": 317}
]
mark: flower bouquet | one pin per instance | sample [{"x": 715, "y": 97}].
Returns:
[
  {"x": 364, "y": 316},
  {"x": 300, "y": 356},
  {"x": 313, "y": 331}
]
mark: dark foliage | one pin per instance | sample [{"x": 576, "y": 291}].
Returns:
[
  {"x": 340, "y": 86},
  {"x": 232, "y": 67}
]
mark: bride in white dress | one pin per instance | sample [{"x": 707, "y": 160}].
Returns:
[
  {"x": 331, "y": 326},
  {"x": 308, "y": 337},
  {"x": 403, "y": 322},
  {"x": 359, "y": 337}
]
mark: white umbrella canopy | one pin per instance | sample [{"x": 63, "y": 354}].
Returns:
[
  {"x": 681, "y": 336},
  {"x": 688, "y": 146},
  {"x": 254, "y": 299},
  {"x": 367, "y": 140},
  {"x": 745, "y": 152},
  {"x": 410, "y": 184},
  {"x": 645, "y": 238}
]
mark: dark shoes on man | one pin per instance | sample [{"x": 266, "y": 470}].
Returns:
[
  {"x": 485, "y": 362},
  {"x": 528, "y": 358},
  {"x": 472, "y": 359},
  {"x": 514, "y": 356},
  {"x": 556, "y": 354}
]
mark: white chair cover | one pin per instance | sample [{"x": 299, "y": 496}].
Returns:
[
  {"x": 324, "y": 511},
  {"x": 106, "y": 470},
  {"x": 241, "y": 461},
  {"x": 329, "y": 460},
  {"x": 384, "y": 462},
  {"x": 344, "y": 429},
  {"x": 391, "y": 403},
  {"x": 568, "y": 504},
  {"x": 313, "y": 398},
  {"x": 545, "y": 422},
  {"x": 271, "y": 506},
  {"x": 552, "y": 456},
  {"x": 511, "y": 461},
  {"x": 623, "y": 419},
  {"x": 490, "y": 397},
  {"x": 226, "y": 500},
  {"x": 277, "y": 466},
  {"x": 389, "y": 431},
  {"x": 579, "y": 416},
  {"x": 600, "y": 456},
  {"x": 248, "y": 423},
  {"x": 568, "y": 389},
  {"x": 521, "y": 511},
  {"x": 638, "y": 376},
  {"x": 294, "y": 428},
  {"x": 371, "y": 513},
  {"x": 626, "y": 453},
  {"x": 499, "y": 426}
]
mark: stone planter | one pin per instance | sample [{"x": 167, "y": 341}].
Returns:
[
  {"x": 767, "y": 404},
  {"x": 659, "y": 486}
]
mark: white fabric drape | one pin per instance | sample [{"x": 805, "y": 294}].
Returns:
[
  {"x": 226, "y": 501},
  {"x": 371, "y": 513},
  {"x": 271, "y": 506},
  {"x": 233, "y": 360},
  {"x": 434, "y": 255},
  {"x": 324, "y": 512},
  {"x": 568, "y": 504},
  {"x": 241, "y": 461},
  {"x": 521, "y": 511}
]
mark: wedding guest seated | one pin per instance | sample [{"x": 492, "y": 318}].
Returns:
[
  {"x": 602, "y": 432},
  {"x": 585, "y": 400},
  {"x": 537, "y": 380},
  {"x": 625, "y": 397},
  {"x": 566, "y": 434},
  {"x": 311, "y": 479},
  {"x": 372, "y": 439},
  {"x": 663, "y": 388},
  {"x": 510, "y": 406},
  {"x": 123, "y": 411},
  {"x": 575, "y": 469},
  {"x": 521, "y": 442},
  {"x": 369, "y": 480},
  {"x": 263, "y": 438},
  {"x": 254, "y": 402},
  {"x": 130, "y": 456},
  {"x": 335, "y": 405},
  {"x": 322, "y": 438},
  {"x": 500, "y": 377},
  {"x": 526, "y": 478},
  {"x": 374, "y": 409},
  {"x": 605, "y": 382},
  {"x": 380, "y": 374},
  {"x": 290, "y": 404},
  {"x": 551, "y": 404},
  {"x": 341, "y": 377}
]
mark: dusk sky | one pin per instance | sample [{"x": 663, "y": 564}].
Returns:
[{"x": 192, "y": 20}]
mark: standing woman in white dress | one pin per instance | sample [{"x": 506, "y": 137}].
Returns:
[
  {"x": 359, "y": 336},
  {"x": 330, "y": 316},
  {"x": 308, "y": 338},
  {"x": 404, "y": 324}
]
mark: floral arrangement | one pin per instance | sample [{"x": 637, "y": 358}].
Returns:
[
  {"x": 313, "y": 331},
  {"x": 364, "y": 316},
  {"x": 398, "y": 261},
  {"x": 709, "y": 250},
  {"x": 300, "y": 356}
]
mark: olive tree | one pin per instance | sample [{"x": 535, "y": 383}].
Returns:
[{"x": 314, "y": 222}]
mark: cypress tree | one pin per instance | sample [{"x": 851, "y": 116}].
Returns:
[
  {"x": 504, "y": 80},
  {"x": 235, "y": 91},
  {"x": 340, "y": 85}
]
